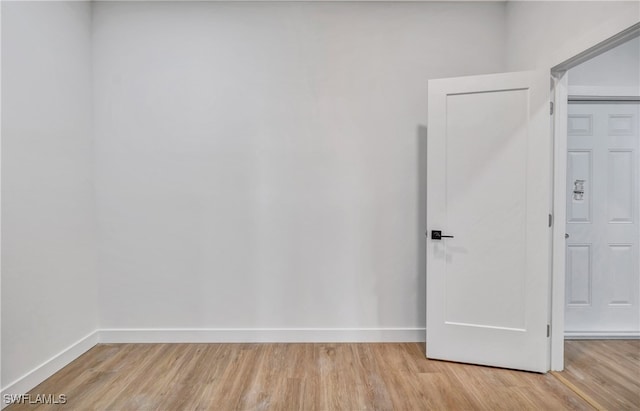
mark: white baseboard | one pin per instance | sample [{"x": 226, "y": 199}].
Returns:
[
  {"x": 45, "y": 370},
  {"x": 601, "y": 335},
  {"x": 258, "y": 335}
]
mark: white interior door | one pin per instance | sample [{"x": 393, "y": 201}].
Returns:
[
  {"x": 602, "y": 276},
  {"x": 489, "y": 186}
]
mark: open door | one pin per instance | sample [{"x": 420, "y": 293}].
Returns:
[{"x": 489, "y": 188}]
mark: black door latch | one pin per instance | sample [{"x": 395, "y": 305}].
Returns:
[{"x": 437, "y": 235}]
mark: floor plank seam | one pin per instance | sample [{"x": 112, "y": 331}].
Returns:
[{"x": 578, "y": 391}]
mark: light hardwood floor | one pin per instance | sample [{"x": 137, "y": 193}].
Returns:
[
  {"x": 607, "y": 371},
  {"x": 332, "y": 377}
]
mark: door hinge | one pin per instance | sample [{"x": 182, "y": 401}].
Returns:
[
  {"x": 550, "y": 220},
  {"x": 551, "y": 108},
  {"x": 548, "y": 330}
]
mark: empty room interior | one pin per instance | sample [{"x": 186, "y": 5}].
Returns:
[{"x": 320, "y": 205}]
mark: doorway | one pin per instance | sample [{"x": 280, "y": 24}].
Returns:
[
  {"x": 464, "y": 100},
  {"x": 602, "y": 266},
  {"x": 567, "y": 96},
  {"x": 602, "y": 272}
]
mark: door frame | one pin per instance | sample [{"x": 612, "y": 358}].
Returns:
[{"x": 602, "y": 42}]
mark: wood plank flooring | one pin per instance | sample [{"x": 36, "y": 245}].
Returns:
[
  {"x": 327, "y": 377},
  {"x": 607, "y": 371}
]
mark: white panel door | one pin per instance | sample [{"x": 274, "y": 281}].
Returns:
[
  {"x": 603, "y": 271},
  {"x": 489, "y": 186}
]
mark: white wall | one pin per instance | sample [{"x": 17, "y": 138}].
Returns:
[
  {"x": 615, "y": 70},
  {"x": 262, "y": 165},
  {"x": 48, "y": 222},
  {"x": 542, "y": 34},
  {"x": 258, "y": 165}
]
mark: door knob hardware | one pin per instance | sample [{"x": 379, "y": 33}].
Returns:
[
  {"x": 566, "y": 235},
  {"x": 437, "y": 235}
]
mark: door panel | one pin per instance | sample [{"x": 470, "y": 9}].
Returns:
[
  {"x": 488, "y": 185},
  {"x": 621, "y": 271},
  {"x": 487, "y": 176},
  {"x": 620, "y": 186},
  {"x": 609, "y": 191},
  {"x": 579, "y": 274}
]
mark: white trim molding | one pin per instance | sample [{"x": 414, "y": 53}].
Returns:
[
  {"x": 601, "y": 91},
  {"x": 260, "y": 335},
  {"x": 45, "y": 370},
  {"x": 560, "y": 116},
  {"x": 602, "y": 335},
  {"x": 598, "y": 40}
]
